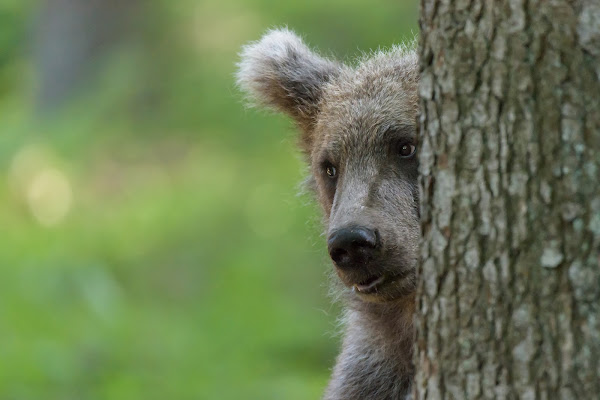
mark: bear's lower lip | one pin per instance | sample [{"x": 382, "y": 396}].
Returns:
[{"x": 369, "y": 285}]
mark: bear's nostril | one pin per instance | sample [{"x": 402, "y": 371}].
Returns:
[
  {"x": 351, "y": 247},
  {"x": 338, "y": 255}
]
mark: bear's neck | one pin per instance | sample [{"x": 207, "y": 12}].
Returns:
[{"x": 376, "y": 358}]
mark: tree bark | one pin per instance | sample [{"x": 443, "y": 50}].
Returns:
[{"x": 509, "y": 281}]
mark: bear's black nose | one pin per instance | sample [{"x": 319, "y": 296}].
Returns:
[{"x": 352, "y": 247}]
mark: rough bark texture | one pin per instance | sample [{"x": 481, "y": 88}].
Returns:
[{"x": 508, "y": 299}]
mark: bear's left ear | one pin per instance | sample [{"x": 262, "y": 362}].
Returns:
[{"x": 281, "y": 72}]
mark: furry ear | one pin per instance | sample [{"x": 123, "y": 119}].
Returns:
[{"x": 280, "y": 71}]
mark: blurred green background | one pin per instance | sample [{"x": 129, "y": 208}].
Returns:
[{"x": 153, "y": 242}]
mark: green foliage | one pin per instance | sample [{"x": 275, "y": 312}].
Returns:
[{"x": 154, "y": 245}]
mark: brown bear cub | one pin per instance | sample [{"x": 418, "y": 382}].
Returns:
[{"x": 358, "y": 133}]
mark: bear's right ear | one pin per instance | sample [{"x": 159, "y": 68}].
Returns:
[{"x": 280, "y": 71}]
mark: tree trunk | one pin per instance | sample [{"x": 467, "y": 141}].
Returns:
[
  {"x": 70, "y": 39},
  {"x": 509, "y": 287}
]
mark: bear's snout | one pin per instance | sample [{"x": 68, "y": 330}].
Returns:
[{"x": 352, "y": 247}]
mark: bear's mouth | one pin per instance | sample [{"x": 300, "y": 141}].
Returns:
[{"x": 369, "y": 285}]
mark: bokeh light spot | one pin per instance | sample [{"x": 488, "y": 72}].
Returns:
[
  {"x": 37, "y": 181},
  {"x": 49, "y": 196}
]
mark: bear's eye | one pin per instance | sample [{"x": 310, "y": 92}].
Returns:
[
  {"x": 331, "y": 171},
  {"x": 407, "y": 150}
]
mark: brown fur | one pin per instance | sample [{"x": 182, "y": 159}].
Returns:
[{"x": 356, "y": 119}]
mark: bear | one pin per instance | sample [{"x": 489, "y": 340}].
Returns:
[{"x": 357, "y": 127}]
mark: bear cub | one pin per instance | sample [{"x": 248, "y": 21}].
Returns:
[{"x": 358, "y": 132}]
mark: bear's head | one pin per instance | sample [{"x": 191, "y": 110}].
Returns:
[{"x": 358, "y": 131}]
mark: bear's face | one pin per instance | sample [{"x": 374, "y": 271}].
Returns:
[
  {"x": 359, "y": 134},
  {"x": 364, "y": 164}
]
